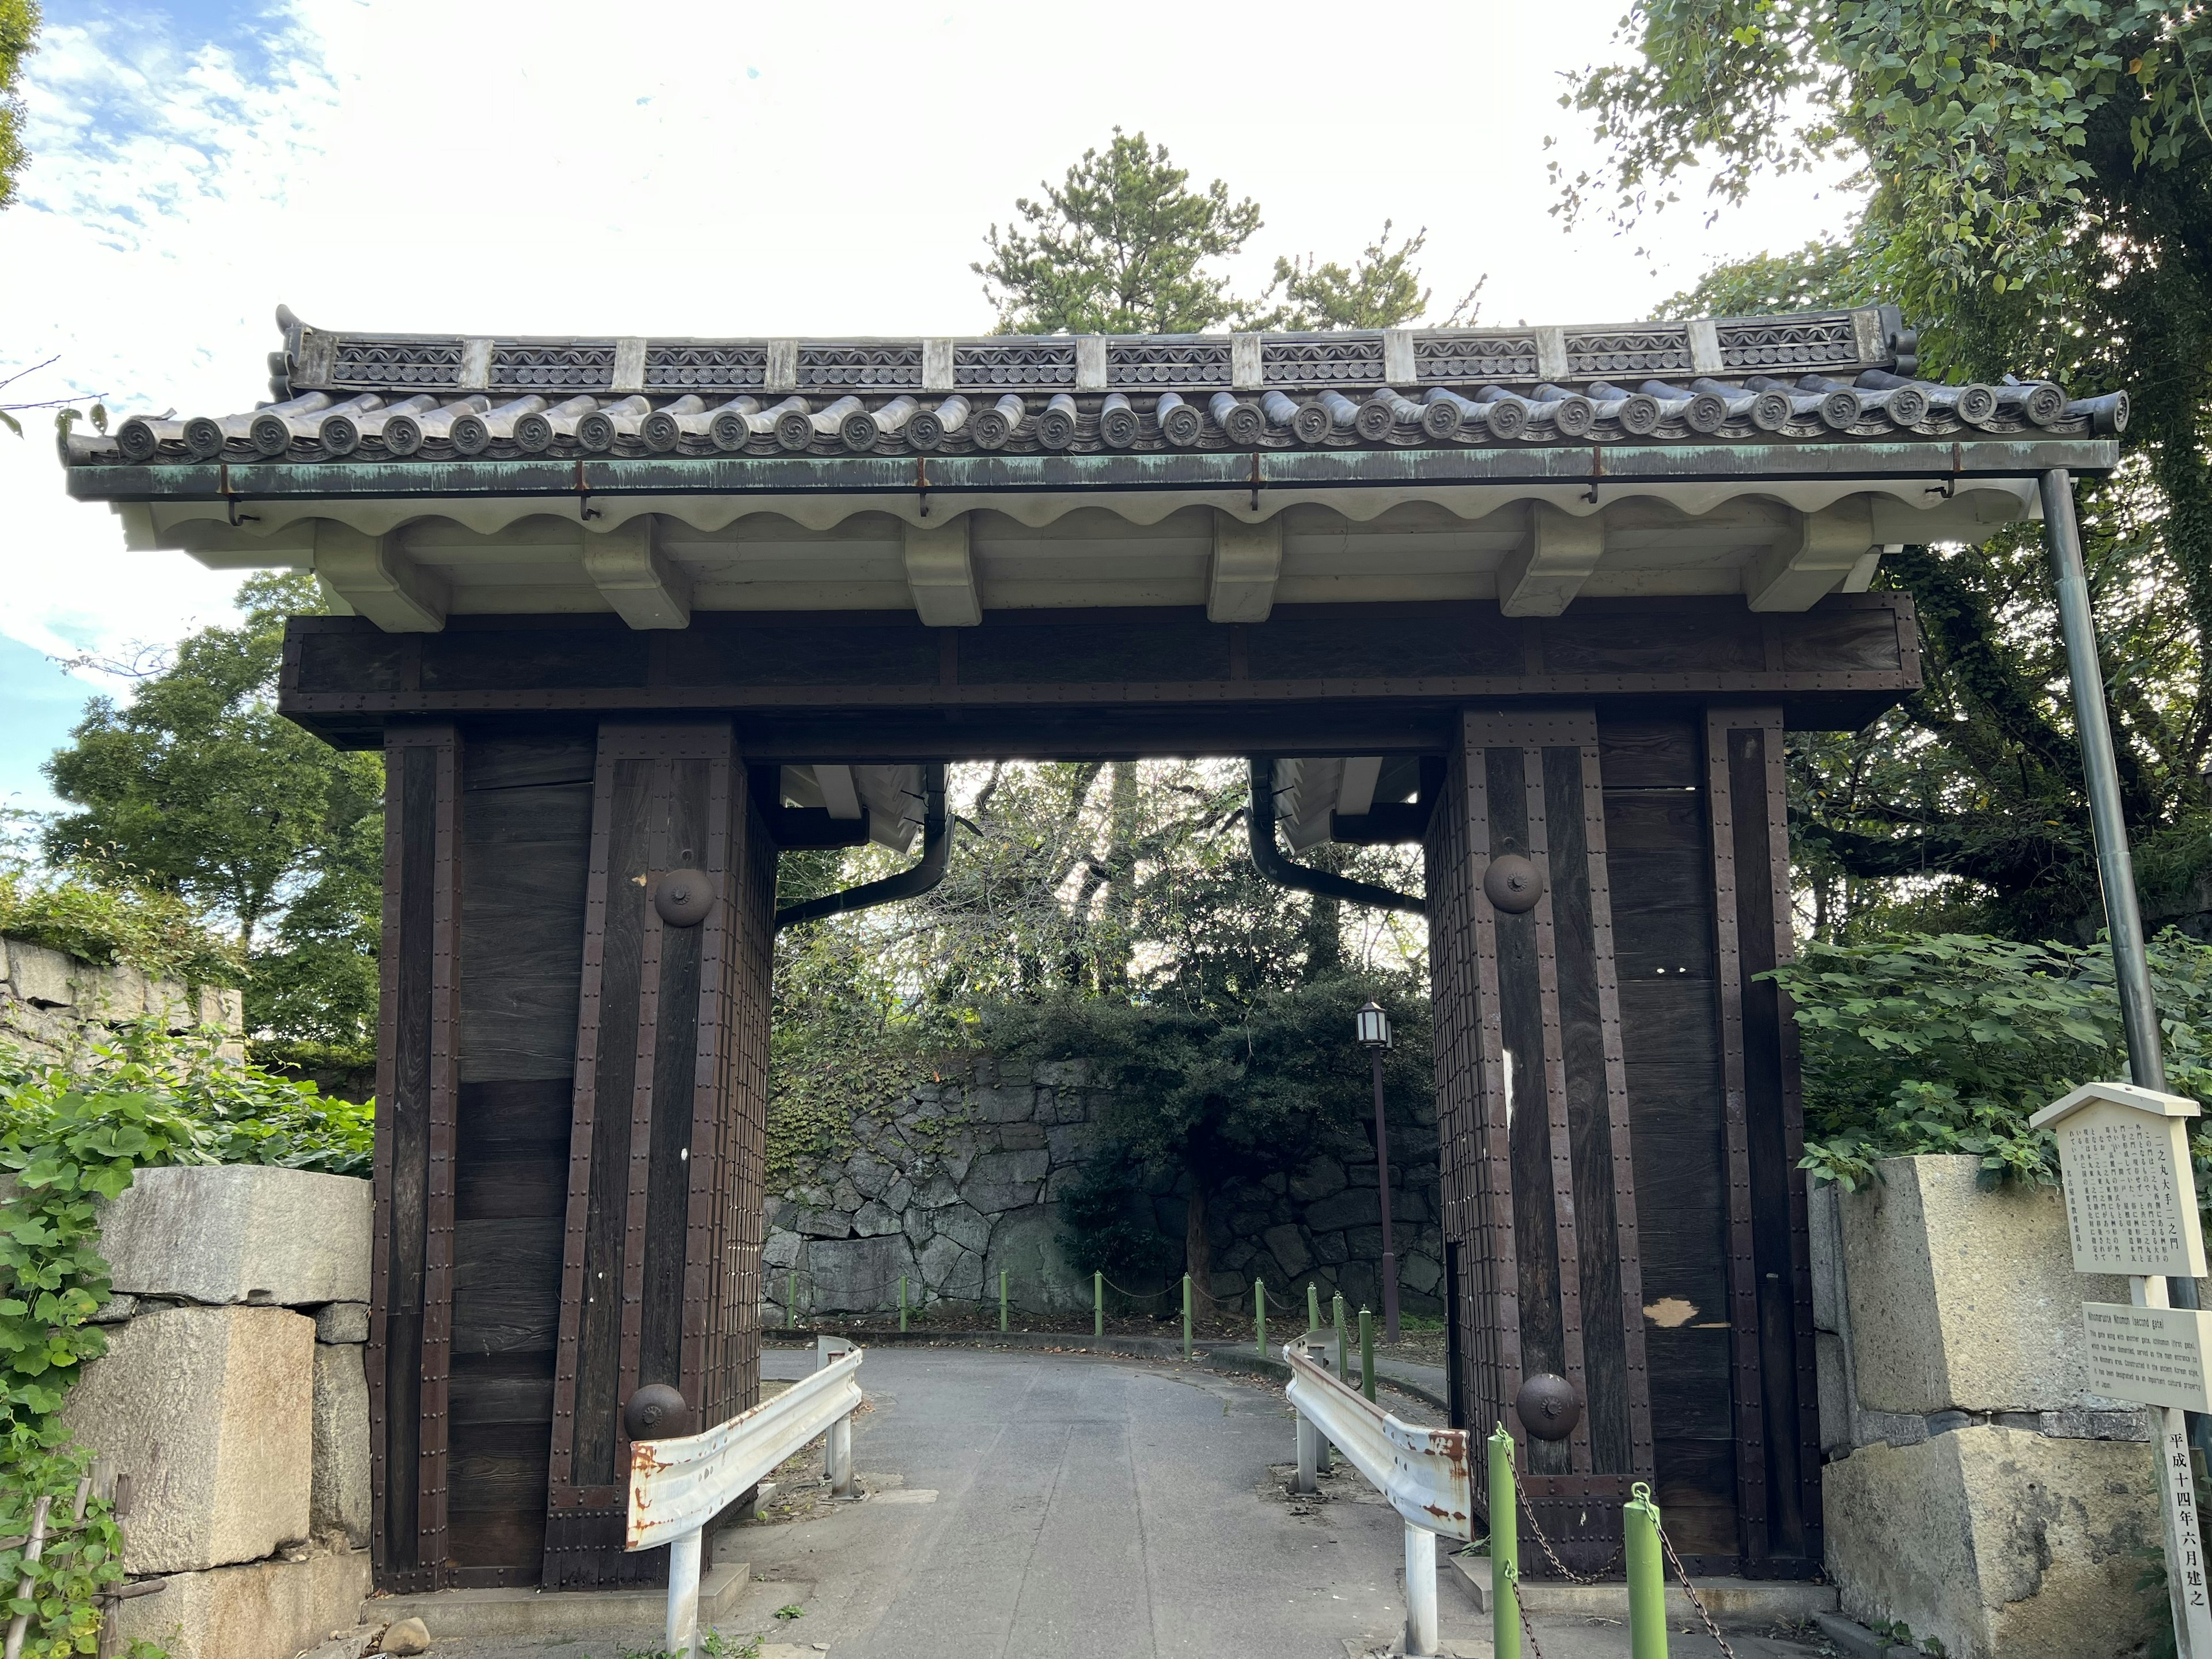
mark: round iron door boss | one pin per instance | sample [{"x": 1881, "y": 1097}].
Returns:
[
  {"x": 1547, "y": 1408},
  {"x": 684, "y": 897},
  {"x": 1513, "y": 883}
]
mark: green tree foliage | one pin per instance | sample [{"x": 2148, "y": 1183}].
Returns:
[
  {"x": 1926, "y": 1043},
  {"x": 1221, "y": 1089},
  {"x": 2039, "y": 177},
  {"x": 1118, "y": 247},
  {"x": 1114, "y": 905},
  {"x": 19, "y": 34},
  {"x": 198, "y": 787},
  {"x": 1123, "y": 245}
]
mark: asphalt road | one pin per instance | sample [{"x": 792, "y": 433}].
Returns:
[{"x": 1032, "y": 1503}]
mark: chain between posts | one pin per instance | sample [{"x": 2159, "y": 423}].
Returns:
[
  {"x": 1543, "y": 1543},
  {"x": 1691, "y": 1590}
]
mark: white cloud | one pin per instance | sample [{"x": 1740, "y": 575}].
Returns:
[{"x": 720, "y": 168}]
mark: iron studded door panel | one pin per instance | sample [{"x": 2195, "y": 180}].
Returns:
[
  {"x": 1539, "y": 1176},
  {"x": 661, "y": 1246}
]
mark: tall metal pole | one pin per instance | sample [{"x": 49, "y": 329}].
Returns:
[
  {"x": 1382, "y": 1185},
  {"x": 2115, "y": 869}
]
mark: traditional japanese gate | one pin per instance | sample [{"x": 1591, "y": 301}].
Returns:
[{"x": 625, "y": 626}]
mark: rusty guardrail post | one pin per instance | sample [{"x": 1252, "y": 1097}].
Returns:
[
  {"x": 1423, "y": 1472},
  {"x": 678, "y": 1485}
]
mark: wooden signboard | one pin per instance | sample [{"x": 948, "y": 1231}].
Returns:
[
  {"x": 2152, "y": 1355},
  {"x": 2132, "y": 1205}
]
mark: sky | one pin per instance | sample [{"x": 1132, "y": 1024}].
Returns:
[{"x": 731, "y": 168}]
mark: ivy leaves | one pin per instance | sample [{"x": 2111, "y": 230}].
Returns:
[{"x": 1948, "y": 1043}]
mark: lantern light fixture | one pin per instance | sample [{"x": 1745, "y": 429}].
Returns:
[{"x": 1374, "y": 1026}]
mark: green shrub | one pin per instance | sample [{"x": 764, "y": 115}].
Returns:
[
  {"x": 1948, "y": 1042},
  {"x": 72, "y": 1133},
  {"x": 158, "y": 933}
]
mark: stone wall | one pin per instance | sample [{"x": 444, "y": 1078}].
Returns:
[
  {"x": 49, "y": 1001},
  {"x": 1973, "y": 1489},
  {"x": 962, "y": 1178},
  {"x": 234, "y": 1396}
]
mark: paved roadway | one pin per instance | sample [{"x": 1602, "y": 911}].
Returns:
[{"x": 1030, "y": 1503}]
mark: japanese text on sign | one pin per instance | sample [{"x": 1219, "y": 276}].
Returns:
[
  {"x": 2154, "y": 1355},
  {"x": 2188, "y": 1543},
  {"x": 2125, "y": 1196}
]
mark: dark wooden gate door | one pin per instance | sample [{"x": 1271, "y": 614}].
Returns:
[
  {"x": 1540, "y": 1189},
  {"x": 1616, "y": 1094},
  {"x": 661, "y": 1253}
]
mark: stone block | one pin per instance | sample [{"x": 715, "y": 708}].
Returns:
[
  {"x": 966, "y": 1225},
  {"x": 221, "y": 1007},
  {"x": 874, "y": 1218},
  {"x": 1420, "y": 1273},
  {"x": 1007, "y": 1181},
  {"x": 240, "y": 1232},
  {"x": 813, "y": 1222},
  {"x": 1963, "y": 1299},
  {"x": 781, "y": 1250},
  {"x": 1071, "y": 1143},
  {"x": 868, "y": 1173},
  {"x": 41, "y": 977},
  {"x": 1835, "y": 1433},
  {"x": 119, "y": 992},
  {"x": 1004, "y": 1103},
  {"x": 342, "y": 1321},
  {"x": 1027, "y": 1247},
  {"x": 935, "y": 1190},
  {"x": 857, "y": 1275},
  {"x": 1023, "y": 1136},
  {"x": 210, "y": 1412},
  {"x": 1353, "y": 1206},
  {"x": 338, "y": 1501},
  {"x": 1996, "y": 1541},
  {"x": 1289, "y": 1248},
  {"x": 269, "y": 1610},
  {"x": 952, "y": 1272},
  {"x": 172, "y": 1005},
  {"x": 1827, "y": 1246}
]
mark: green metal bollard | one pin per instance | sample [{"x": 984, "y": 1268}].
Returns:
[
  {"x": 790, "y": 1298},
  {"x": 1260, "y": 1318},
  {"x": 1186, "y": 1315},
  {"x": 901, "y": 1302},
  {"x": 1002, "y": 1299},
  {"x": 1312, "y": 1306},
  {"x": 1343, "y": 1359},
  {"x": 1504, "y": 1551},
  {"x": 1367, "y": 1353},
  {"x": 1098, "y": 1305},
  {"x": 1647, "y": 1578}
]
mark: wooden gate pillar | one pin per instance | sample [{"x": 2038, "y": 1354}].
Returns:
[
  {"x": 1769, "y": 1261},
  {"x": 660, "y": 1263},
  {"x": 410, "y": 1271}
]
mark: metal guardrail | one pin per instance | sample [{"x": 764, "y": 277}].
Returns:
[
  {"x": 677, "y": 1486},
  {"x": 1424, "y": 1472}
]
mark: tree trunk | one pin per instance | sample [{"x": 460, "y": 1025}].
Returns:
[{"x": 1197, "y": 1259}]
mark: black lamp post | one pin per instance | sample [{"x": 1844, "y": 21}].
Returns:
[{"x": 1375, "y": 1037}]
